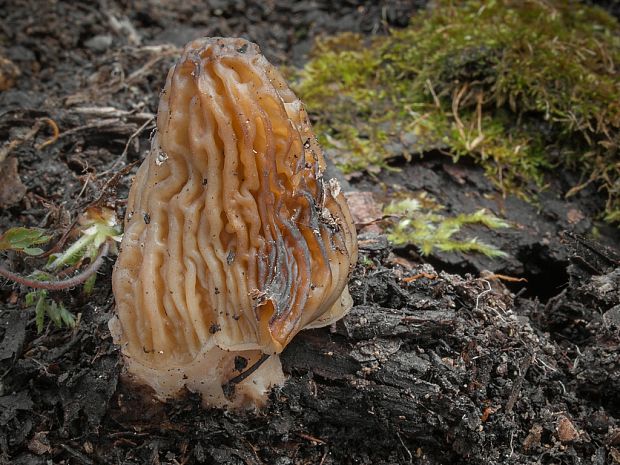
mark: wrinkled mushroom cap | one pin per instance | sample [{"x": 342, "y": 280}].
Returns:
[{"x": 234, "y": 241}]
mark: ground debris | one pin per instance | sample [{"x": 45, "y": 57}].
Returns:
[{"x": 11, "y": 187}]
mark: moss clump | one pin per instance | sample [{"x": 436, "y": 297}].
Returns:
[
  {"x": 520, "y": 86},
  {"x": 419, "y": 223}
]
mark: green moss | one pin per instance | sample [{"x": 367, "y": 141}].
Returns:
[
  {"x": 419, "y": 223},
  {"x": 519, "y": 86}
]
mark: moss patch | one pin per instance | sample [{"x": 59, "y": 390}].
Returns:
[
  {"x": 419, "y": 222},
  {"x": 520, "y": 86}
]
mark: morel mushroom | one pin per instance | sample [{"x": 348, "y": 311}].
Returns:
[{"x": 233, "y": 240}]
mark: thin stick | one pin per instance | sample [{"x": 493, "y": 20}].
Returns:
[
  {"x": 229, "y": 387},
  {"x": 126, "y": 149},
  {"x": 6, "y": 149},
  {"x": 60, "y": 284},
  {"x": 55, "y": 132}
]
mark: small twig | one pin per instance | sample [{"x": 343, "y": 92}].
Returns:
[
  {"x": 486, "y": 291},
  {"x": 125, "y": 27},
  {"x": 456, "y": 103},
  {"x": 405, "y": 447},
  {"x": 229, "y": 387},
  {"x": 55, "y": 133},
  {"x": 415, "y": 277},
  {"x": 112, "y": 182},
  {"x": 310, "y": 438},
  {"x": 112, "y": 112},
  {"x": 479, "y": 98},
  {"x": 129, "y": 140},
  {"x": 140, "y": 72},
  {"x": 516, "y": 385},
  {"x": 549, "y": 367},
  {"x": 82, "y": 190},
  {"x": 573, "y": 190},
  {"x": 6, "y": 149},
  {"x": 324, "y": 457},
  {"x": 60, "y": 284},
  {"x": 137, "y": 74},
  {"x": 77, "y": 454},
  {"x": 96, "y": 125},
  {"x": 429, "y": 84},
  {"x": 503, "y": 277}
]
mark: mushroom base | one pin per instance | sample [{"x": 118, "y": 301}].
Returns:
[{"x": 210, "y": 374}]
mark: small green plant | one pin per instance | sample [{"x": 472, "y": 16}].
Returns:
[
  {"x": 45, "y": 306},
  {"x": 97, "y": 227},
  {"x": 98, "y": 231},
  {"x": 418, "y": 222}
]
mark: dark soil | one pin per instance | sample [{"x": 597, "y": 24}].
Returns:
[{"x": 438, "y": 362}]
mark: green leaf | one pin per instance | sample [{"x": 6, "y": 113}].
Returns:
[
  {"x": 30, "y": 297},
  {"x": 66, "y": 316},
  {"x": 89, "y": 285},
  {"x": 41, "y": 276},
  {"x": 23, "y": 239},
  {"x": 54, "y": 313},
  {"x": 39, "y": 313},
  {"x": 33, "y": 251}
]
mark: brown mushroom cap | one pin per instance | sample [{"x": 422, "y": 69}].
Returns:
[{"x": 233, "y": 240}]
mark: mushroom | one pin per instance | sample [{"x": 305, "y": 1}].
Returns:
[{"x": 234, "y": 242}]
